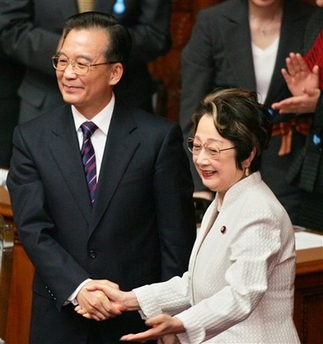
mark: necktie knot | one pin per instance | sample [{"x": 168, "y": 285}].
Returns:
[{"x": 88, "y": 128}]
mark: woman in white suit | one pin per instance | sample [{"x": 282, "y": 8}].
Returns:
[{"x": 239, "y": 287}]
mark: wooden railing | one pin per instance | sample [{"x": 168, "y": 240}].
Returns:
[{"x": 6, "y": 259}]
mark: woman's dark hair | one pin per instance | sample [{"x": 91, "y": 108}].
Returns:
[
  {"x": 118, "y": 35},
  {"x": 238, "y": 117}
]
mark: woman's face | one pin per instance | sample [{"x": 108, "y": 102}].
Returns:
[
  {"x": 265, "y": 3},
  {"x": 319, "y": 3},
  {"x": 218, "y": 172}
]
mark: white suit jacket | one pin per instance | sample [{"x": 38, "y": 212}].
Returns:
[{"x": 239, "y": 287}]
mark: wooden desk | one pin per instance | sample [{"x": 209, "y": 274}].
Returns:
[
  {"x": 308, "y": 304},
  {"x": 6, "y": 260},
  {"x": 18, "y": 321},
  {"x": 5, "y": 208},
  {"x": 308, "y": 291}
]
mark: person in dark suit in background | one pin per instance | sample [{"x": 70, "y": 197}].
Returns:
[
  {"x": 138, "y": 227},
  {"x": 305, "y": 79},
  {"x": 244, "y": 43},
  {"x": 31, "y": 32},
  {"x": 11, "y": 75}
]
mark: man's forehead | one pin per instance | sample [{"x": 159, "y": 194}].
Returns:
[{"x": 93, "y": 40}]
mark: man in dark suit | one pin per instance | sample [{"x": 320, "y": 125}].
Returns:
[
  {"x": 137, "y": 228},
  {"x": 31, "y": 30},
  {"x": 11, "y": 74}
]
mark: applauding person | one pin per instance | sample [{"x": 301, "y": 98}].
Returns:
[
  {"x": 243, "y": 43},
  {"x": 304, "y": 77}
]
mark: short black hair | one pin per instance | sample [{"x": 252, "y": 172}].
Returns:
[
  {"x": 240, "y": 118},
  {"x": 119, "y": 36}
]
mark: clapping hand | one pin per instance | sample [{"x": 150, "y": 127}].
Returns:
[
  {"x": 298, "y": 76},
  {"x": 303, "y": 84}
]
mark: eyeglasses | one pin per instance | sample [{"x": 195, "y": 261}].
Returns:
[
  {"x": 195, "y": 146},
  {"x": 61, "y": 61}
]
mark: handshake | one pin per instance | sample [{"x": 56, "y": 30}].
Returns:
[{"x": 102, "y": 299}]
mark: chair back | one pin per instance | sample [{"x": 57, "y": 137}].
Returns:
[{"x": 6, "y": 259}]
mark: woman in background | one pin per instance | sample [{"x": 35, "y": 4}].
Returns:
[
  {"x": 304, "y": 78},
  {"x": 244, "y": 43}
]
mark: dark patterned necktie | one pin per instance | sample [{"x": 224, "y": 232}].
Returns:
[{"x": 88, "y": 157}]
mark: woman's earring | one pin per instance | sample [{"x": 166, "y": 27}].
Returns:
[{"x": 246, "y": 172}]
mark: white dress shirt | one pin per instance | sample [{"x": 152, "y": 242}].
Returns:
[
  {"x": 98, "y": 139},
  {"x": 264, "y": 63}
]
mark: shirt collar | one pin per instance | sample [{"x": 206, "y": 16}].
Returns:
[{"x": 102, "y": 119}]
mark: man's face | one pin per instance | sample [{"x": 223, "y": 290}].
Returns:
[{"x": 91, "y": 92}]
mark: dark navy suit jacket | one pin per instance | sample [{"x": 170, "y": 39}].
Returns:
[{"x": 140, "y": 230}]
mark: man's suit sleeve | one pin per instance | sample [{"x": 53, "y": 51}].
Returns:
[
  {"x": 22, "y": 40},
  {"x": 151, "y": 30},
  {"x": 174, "y": 205},
  {"x": 197, "y": 69},
  {"x": 54, "y": 265}
]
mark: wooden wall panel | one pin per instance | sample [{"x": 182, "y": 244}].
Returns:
[
  {"x": 167, "y": 67},
  {"x": 20, "y": 298},
  {"x": 308, "y": 303}
]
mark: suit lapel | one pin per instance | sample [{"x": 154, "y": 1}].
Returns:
[
  {"x": 240, "y": 54},
  {"x": 239, "y": 51},
  {"x": 288, "y": 43},
  {"x": 65, "y": 150},
  {"x": 122, "y": 142}
]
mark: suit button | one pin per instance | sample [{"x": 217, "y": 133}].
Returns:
[{"x": 92, "y": 254}]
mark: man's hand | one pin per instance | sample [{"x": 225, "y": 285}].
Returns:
[
  {"x": 111, "y": 301},
  {"x": 94, "y": 304},
  {"x": 162, "y": 326}
]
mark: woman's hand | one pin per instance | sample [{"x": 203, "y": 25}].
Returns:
[
  {"x": 168, "y": 339},
  {"x": 298, "y": 76},
  {"x": 114, "y": 302},
  {"x": 93, "y": 303},
  {"x": 303, "y": 84},
  {"x": 163, "y": 327},
  {"x": 305, "y": 103}
]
